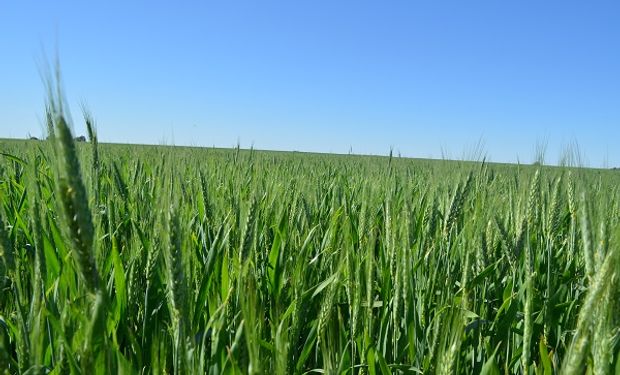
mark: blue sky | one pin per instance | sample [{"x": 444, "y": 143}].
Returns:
[{"x": 425, "y": 78}]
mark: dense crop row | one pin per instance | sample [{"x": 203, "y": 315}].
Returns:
[{"x": 159, "y": 259}]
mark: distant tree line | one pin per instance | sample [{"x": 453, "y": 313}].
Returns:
[{"x": 81, "y": 138}]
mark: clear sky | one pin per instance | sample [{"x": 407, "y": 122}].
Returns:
[{"x": 423, "y": 77}]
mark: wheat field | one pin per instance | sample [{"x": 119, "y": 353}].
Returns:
[{"x": 153, "y": 259}]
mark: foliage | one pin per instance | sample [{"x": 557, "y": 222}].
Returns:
[{"x": 151, "y": 259}]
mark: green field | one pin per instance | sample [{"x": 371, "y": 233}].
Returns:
[{"x": 152, "y": 259}]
